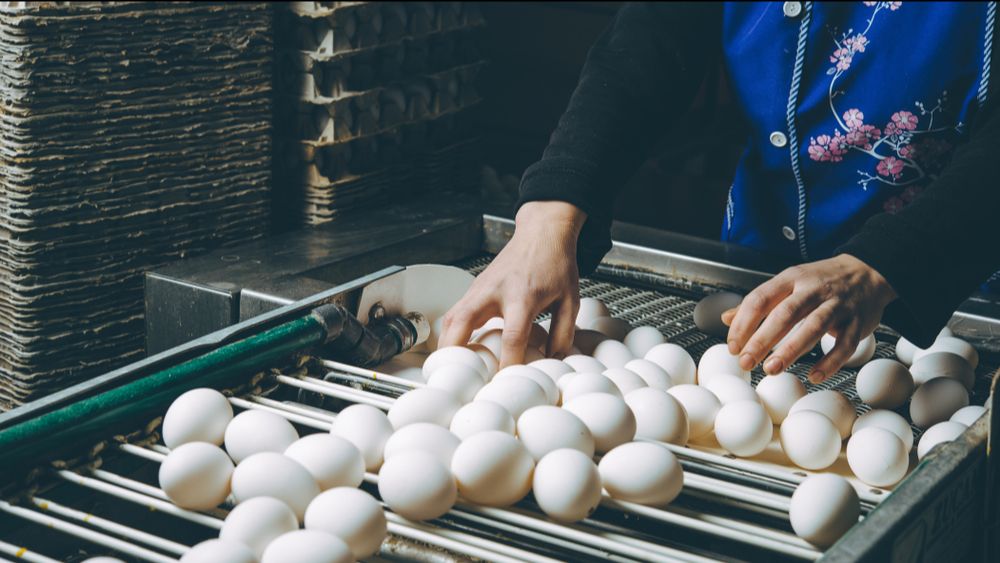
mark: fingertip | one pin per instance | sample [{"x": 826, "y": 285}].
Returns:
[
  {"x": 817, "y": 377},
  {"x": 774, "y": 365},
  {"x": 728, "y": 316}
]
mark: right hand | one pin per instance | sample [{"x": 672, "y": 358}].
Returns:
[{"x": 535, "y": 272}]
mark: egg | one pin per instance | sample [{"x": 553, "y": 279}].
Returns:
[
  {"x": 258, "y": 476},
  {"x": 864, "y": 351},
  {"x": 586, "y": 340},
  {"x": 730, "y": 388},
  {"x": 257, "y": 521},
  {"x": 608, "y": 418},
  {"x": 642, "y": 472},
  {"x": 743, "y": 428},
  {"x": 552, "y": 367},
  {"x": 953, "y": 345},
  {"x": 546, "y": 428},
  {"x": 425, "y": 437},
  {"x": 700, "y": 405},
  {"x": 567, "y": 485},
  {"x": 583, "y": 383},
  {"x": 367, "y": 428},
  {"x": 823, "y": 508},
  {"x": 968, "y": 415},
  {"x": 708, "y": 312},
  {"x": 936, "y": 400},
  {"x": 515, "y": 393},
  {"x": 810, "y": 440},
  {"x": 658, "y": 416},
  {"x": 942, "y": 364},
  {"x": 675, "y": 361},
  {"x": 491, "y": 360},
  {"x": 652, "y": 374},
  {"x": 884, "y": 384},
  {"x": 424, "y": 404},
  {"x": 939, "y": 433},
  {"x": 641, "y": 340},
  {"x": 492, "y": 468},
  {"x": 886, "y": 420},
  {"x": 491, "y": 324},
  {"x": 256, "y": 431},
  {"x": 481, "y": 416},
  {"x": 716, "y": 360},
  {"x": 905, "y": 351},
  {"x": 416, "y": 485},
  {"x": 613, "y": 328},
  {"x": 462, "y": 381},
  {"x": 778, "y": 393},
  {"x": 536, "y": 375},
  {"x": 613, "y": 354},
  {"x": 455, "y": 355},
  {"x": 833, "y": 405},
  {"x": 351, "y": 515},
  {"x": 590, "y": 309},
  {"x": 626, "y": 380},
  {"x": 219, "y": 551},
  {"x": 196, "y": 475},
  {"x": 331, "y": 460},
  {"x": 493, "y": 341},
  {"x": 877, "y": 456},
  {"x": 307, "y": 546},
  {"x": 584, "y": 364},
  {"x": 199, "y": 415}
]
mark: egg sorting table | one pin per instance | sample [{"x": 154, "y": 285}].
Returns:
[{"x": 92, "y": 489}]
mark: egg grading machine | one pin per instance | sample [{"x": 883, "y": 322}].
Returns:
[{"x": 85, "y": 481}]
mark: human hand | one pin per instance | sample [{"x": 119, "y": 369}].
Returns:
[
  {"x": 536, "y": 271},
  {"x": 841, "y": 296}
]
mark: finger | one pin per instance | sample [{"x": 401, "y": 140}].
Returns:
[
  {"x": 516, "y": 329},
  {"x": 727, "y": 316},
  {"x": 464, "y": 317},
  {"x": 847, "y": 343},
  {"x": 779, "y": 321},
  {"x": 753, "y": 309},
  {"x": 563, "y": 327},
  {"x": 801, "y": 340}
]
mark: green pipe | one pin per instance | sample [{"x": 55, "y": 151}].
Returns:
[{"x": 74, "y": 424}]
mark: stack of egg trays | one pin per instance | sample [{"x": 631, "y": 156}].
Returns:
[
  {"x": 375, "y": 102},
  {"x": 132, "y": 135}
]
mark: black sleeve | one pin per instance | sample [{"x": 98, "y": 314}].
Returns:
[
  {"x": 936, "y": 251},
  {"x": 644, "y": 69}
]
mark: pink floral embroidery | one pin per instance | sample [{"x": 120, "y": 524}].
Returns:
[
  {"x": 894, "y": 5},
  {"x": 843, "y": 58},
  {"x": 854, "y": 118},
  {"x": 857, "y": 43},
  {"x": 905, "y": 120},
  {"x": 828, "y": 149},
  {"x": 907, "y": 151},
  {"x": 890, "y": 166}
]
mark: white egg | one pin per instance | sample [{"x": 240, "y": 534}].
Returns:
[
  {"x": 658, "y": 416},
  {"x": 416, "y": 485},
  {"x": 884, "y": 384},
  {"x": 877, "y": 456},
  {"x": 584, "y": 364},
  {"x": 257, "y": 521},
  {"x": 939, "y": 433},
  {"x": 778, "y": 393},
  {"x": 424, "y": 404},
  {"x": 708, "y": 312},
  {"x": 968, "y": 415},
  {"x": 730, "y": 388},
  {"x": 823, "y": 508},
  {"x": 886, "y": 420},
  {"x": 256, "y": 431},
  {"x": 492, "y": 324},
  {"x": 307, "y": 546},
  {"x": 546, "y": 428},
  {"x": 199, "y": 415},
  {"x": 716, "y": 360},
  {"x": 810, "y": 440},
  {"x": 905, "y": 350},
  {"x": 641, "y": 340},
  {"x": 481, "y": 416},
  {"x": 613, "y": 354},
  {"x": 743, "y": 428},
  {"x": 331, "y": 460},
  {"x": 953, "y": 345},
  {"x": 834, "y": 405},
  {"x": 425, "y": 437},
  {"x": 492, "y": 468},
  {"x": 567, "y": 485},
  {"x": 493, "y": 341},
  {"x": 455, "y": 355},
  {"x": 700, "y": 405},
  {"x": 584, "y": 383},
  {"x": 367, "y": 428},
  {"x": 942, "y": 364},
  {"x": 936, "y": 400},
  {"x": 196, "y": 475},
  {"x": 258, "y": 476},
  {"x": 642, "y": 472},
  {"x": 490, "y": 359},
  {"x": 219, "y": 551},
  {"x": 652, "y": 374},
  {"x": 609, "y": 419},
  {"x": 590, "y": 309},
  {"x": 536, "y": 375},
  {"x": 613, "y": 328},
  {"x": 552, "y": 367},
  {"x": 675, "y": 361},
  {"x": 626, "y": 380},
  {"x": 861, "y": 354},
  {"x": 515, "y": 393},
  {"x": 586, "y": 340},
  {"x": 351, "y": 515},
  {"x": 460, "y": 380}
]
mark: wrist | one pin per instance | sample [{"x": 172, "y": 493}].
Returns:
[
  {"x": 883, "y": 289},
  {"x": 560, "y": 215}
]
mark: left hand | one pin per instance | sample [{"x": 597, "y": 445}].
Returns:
[{"x": 841, "y": 296}]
